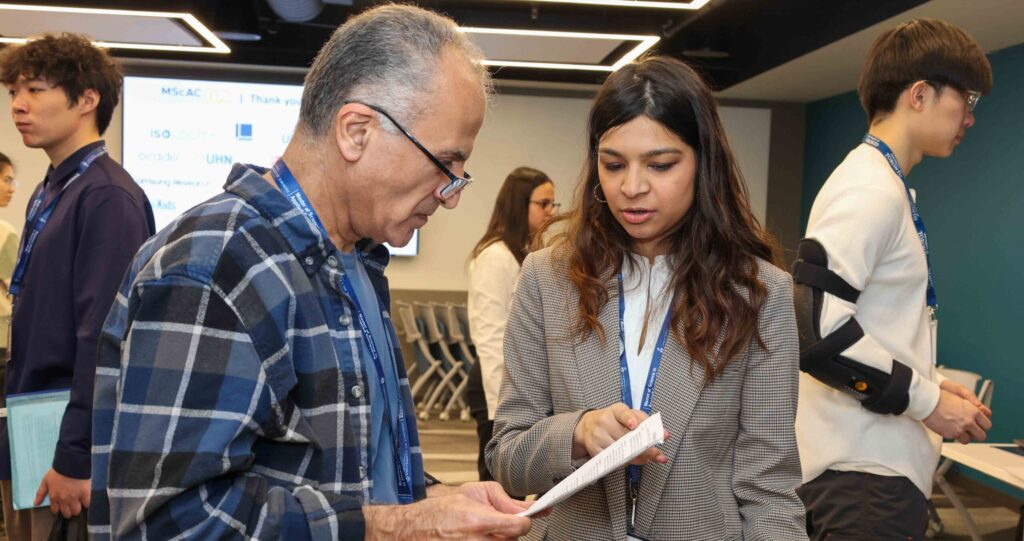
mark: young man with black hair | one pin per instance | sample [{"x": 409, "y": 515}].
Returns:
[
  {"x": 84, "y": 224},
  {"x": 872, "y": 406}
]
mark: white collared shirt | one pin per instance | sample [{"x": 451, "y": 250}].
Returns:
[{"x": 647, "y": 292}]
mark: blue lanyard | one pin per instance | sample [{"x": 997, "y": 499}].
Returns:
[
  {"x": 922, "y": 233},
  {"x": 36, "y": 221},
  {"x": 652, "y": 374},
  {"x": 403, "y": 454}
]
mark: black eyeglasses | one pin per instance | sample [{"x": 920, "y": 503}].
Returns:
[{"x": 455, "y": 182}]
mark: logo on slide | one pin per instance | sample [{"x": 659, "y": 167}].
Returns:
[
  {"x": 208, "y": 95},
  {"x": 243, "y": 132},
  {"x": 219, "y": 159},
  {"x": 157, "y": 157}
]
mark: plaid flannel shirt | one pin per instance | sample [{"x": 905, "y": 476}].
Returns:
[{"x": 231, "y": 397}]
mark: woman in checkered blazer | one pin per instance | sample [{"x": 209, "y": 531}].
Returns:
[{"x": 663, "y": 295}]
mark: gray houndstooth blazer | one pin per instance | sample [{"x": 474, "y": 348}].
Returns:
[{"x": 733, "y": 464}]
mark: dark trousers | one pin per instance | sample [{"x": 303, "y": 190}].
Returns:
[
  {"x": 484, "y": 431},
  {"x": 477, "y": 403},
  {"x": 853, "y": 506}
]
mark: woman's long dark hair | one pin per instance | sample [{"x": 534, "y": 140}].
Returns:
[
  {"x": 510, "y": 219},
  {"x": 716, "y": 246}
]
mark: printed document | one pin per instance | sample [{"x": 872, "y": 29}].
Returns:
[{"x": 651, "y": 432}]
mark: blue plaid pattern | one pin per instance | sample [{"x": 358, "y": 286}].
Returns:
[{"x": 231, "y": 398}]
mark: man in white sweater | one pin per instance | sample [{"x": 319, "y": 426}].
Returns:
[{"x": 872, "y": 407}]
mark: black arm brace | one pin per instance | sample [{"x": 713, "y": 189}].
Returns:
[{"x": 822, "y": 357}]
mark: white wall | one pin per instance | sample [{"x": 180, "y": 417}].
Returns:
[
  {"x": 749, "y": 131},
  {"x": 542, "y": 132}
]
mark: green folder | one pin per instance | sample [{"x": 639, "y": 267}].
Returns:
[{"x": 33, "y": 426}]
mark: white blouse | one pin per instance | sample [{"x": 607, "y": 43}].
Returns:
[
  {"x": 492, "y": 277},
  {"x": 647, "y": 294}
]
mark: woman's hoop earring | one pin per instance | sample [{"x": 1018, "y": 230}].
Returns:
[{"x": 596, "y": 186}]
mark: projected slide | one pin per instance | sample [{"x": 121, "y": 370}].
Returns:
[{"x": 181, "y": 137}]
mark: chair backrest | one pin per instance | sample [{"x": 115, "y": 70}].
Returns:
[
  {"x": 451, "y": 322},
  {"x": 985, "y": 392},
  {"x": 963, "y": 377},
  {"x": 973, "y": 381},
  {"x": 463, "y": 316},
  {"x": 451, "y": 334},
  {"x": 407, "y": 321},
  {"x": 426, "y": 313}
]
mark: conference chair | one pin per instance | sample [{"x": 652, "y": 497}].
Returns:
[
  {"x": 452, "y": 370},
  {"x": 458, "y": 331},
  {"x": 425, "y": 365},
  {"x": 456, "y": 341}
]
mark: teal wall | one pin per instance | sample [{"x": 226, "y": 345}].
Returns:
[{"x": 973, "y": 205}]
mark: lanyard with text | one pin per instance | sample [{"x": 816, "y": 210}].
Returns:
[
  {"x": 627, "y": 393},
  {"x": 403, "y": 454},
  {"x": 36, "y": 220},
  {"x": 922, "y": 233}
]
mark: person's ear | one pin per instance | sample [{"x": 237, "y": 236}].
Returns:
[
  {"x": 918, "y": 94},
  {"x": 88, "y": 101},
  {"x": 354, "y": 128}
]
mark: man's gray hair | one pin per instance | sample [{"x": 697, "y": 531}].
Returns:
[{"x": 387, "y": 56}]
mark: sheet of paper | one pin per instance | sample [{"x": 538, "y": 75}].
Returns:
[
  {"x": 650, "y": 433},
  {"x": 33, "y": 426}
]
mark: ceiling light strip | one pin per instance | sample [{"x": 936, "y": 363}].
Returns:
[
  {"x": 200, "y": 28},
  {"x": 553, "y": 34},
  {"x": 545, "y": 65},
  {"x": 217, "y": 46},
  {"x": 693, "y": 5},
  {"x": 635, "y": 53},
  {"x": 643, "y": 44}
]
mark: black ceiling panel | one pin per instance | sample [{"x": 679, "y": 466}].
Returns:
[{"x": 728, "y": 40}]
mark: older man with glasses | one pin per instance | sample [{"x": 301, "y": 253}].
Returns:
[{"x": 250, "y": 382}]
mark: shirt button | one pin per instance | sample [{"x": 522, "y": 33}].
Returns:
[
  {"x": 362, "y": 472},
  {"x": 332, "y": 261},
  {"x": 357, "y": 391},
  {"x": 309, "y": 260},
  {"x": 345, "y": 320}
]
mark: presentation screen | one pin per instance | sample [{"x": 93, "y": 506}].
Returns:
[{"x": 181, "y": 137}]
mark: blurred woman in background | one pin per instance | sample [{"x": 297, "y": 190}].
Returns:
[
  {"x": 8, "y": 256},
  {"x": 525, "y": 202}
]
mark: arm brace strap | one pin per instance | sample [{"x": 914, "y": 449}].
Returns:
[{"x": 821, "y": 357}]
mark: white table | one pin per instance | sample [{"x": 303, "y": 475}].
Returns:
[{"x": 988, "y": 458}]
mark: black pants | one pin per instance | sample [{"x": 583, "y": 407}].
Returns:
[
  {"x": 854, "y": 506},
  {"x": 477, "y": 403},
  {"x": 484, "y": 431}
]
